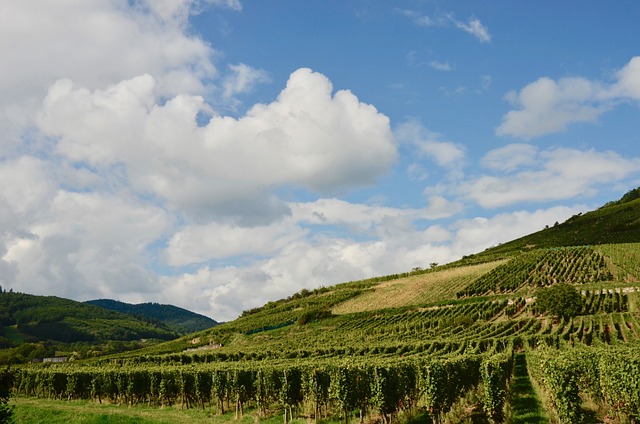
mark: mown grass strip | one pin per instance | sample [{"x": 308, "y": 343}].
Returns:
[
  {"x": 526, "y": 408},
  {"x": 44, "y": 411}
]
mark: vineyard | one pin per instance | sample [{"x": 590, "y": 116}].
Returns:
[{"x": 441, "y": 349}]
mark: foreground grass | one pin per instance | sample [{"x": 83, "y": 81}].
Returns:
[
  {"x": 526, "y": 408},
  {"x": 29, "y": 410},
  {"x": 36, "y": 411}
]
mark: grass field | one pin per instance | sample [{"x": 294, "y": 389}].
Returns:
[
  {"x": 43, "y": 411},
  {"x": 12, "y": 333},
  {"x": 416, "y": 290}
]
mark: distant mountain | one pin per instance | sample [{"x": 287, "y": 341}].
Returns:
[
  {"x": 31, "y": 318},
  {"x": 177, "y": 319}
]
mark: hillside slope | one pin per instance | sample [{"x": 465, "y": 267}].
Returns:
[
  {"x": 177, "y": 319},
  {"x": 615, "y": 222},
  {"x": 475, "y": 278},
  {"x": 29, "y": 322},
  {"x": 433, "y": 342}
]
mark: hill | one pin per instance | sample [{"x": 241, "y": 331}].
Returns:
[
  {"x": 440, "y": 344},
  {"x": 177, "y": 319},
  {"x": 30, "y": 324},
  {"x": 615, "y": 222}
]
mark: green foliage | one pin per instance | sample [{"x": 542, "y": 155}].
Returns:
[
  {"x": 496, "y": 373},
  {"x": 314, "y": 315},
  {"x": 32, "y": 322},
  {"x": 53, "y": 318},
  {"x": 617, "y": 222},
  {"x": 608, "y": 374},
  {"x": 177, "y": 319},
  {"x": 628, "y": 197},
  {"x": 620, "y": 381},
  {"x": 559, "y": 375},
  {"x": 540, "y": 268},
  {"x": 561, "y": 300},
  {"x": 6, "y": 383}
]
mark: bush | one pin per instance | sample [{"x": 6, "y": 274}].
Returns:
[
  {"x": 6, "y": 382},
  {"x": 314, "y": 315}
]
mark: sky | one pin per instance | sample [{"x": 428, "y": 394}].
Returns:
[{"x": 219, "y": 154}]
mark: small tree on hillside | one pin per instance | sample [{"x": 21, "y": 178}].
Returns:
[{"x": 561, "y": 300}]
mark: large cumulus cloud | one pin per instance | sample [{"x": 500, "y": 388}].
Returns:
[
  {"x": 308, "y": 137},
  {"x": 111, "y": 176}
]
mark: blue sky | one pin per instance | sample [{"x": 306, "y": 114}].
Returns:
[{"x": 219, "y": 154}]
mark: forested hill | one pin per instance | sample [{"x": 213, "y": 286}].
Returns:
[
  {"x": 40, "y": 318},
  {"x": 177, "y": 319}
]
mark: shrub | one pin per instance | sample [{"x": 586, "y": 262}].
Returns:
[{"x": 6, "y": 382}]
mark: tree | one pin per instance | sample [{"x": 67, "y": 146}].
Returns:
[
  {"x": 561, "y": 300},
  {"x": 6, "y": 382}
]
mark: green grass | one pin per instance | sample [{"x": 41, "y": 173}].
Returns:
[
  {"x": 614, "y": 223},
  {"x": 11, "y": 332},
  {"x": 44, "y": 411},
  {"x": 525, "y": 405}
]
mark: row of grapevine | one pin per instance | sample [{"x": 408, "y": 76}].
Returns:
[
  {"x": 435, "y": 314},
  {"x": 607, "y": 302},
  {"x": 496, "y": 375},
  {"x": 385, "y": 388},
  {"x": 416, "y": 339},
  {"x": 625, "y": 257},
  {"x": 541, "y": 268},
  {"x": 505, "y": 278},
  {"x": 610, "y": 375}
]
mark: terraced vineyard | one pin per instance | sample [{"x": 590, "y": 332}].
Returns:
[{"x": 425, "y": 344}]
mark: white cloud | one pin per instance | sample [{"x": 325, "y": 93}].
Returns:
[
  {"x": 26, "y": 186},
  {"x": 231, "y": 4},
  {"x": 201, "y": 243},
  {"x": 547, "y": 106},
  {"x": 325, "y": 260},
  {"x": 456, "y": 91},
  {"x": 476, "y": 234},
  {"x": 115, "y": 180},
  {"x": 94, "y": 43},
  {"x": 444, "y": 153},
  {"x": 367, "y": 219},
  {"x": 420, "y": 19},
  {"x": 473, "y": 27},
  {"x": 628, "y": 81},
  {"x": 511, "y": 157},
  {"x": 440, "y": 66},
  {"x": 86, "y": 245},
  {"x": 242, "y": 79},
  {"x": 525, "y": 174},
  {"x": 309, "y": 137},
  {"x": 485, "y": 82}
]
